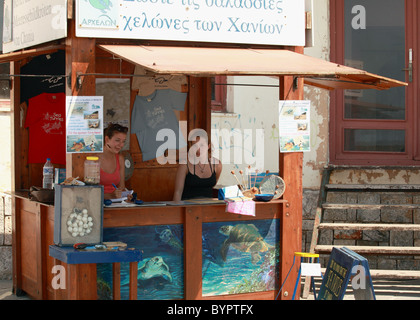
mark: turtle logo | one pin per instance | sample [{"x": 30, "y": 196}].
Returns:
[{"x": 102, "y": 5}]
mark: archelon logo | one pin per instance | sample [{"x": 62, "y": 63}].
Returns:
[
  {"x": 91, "y": 18},
  {"x": 102, "y": 5}
]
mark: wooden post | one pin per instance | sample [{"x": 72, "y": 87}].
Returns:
[
  {"x": 133, "y": 280},
  {"x": 199, "y": 104},
  {"x": 81, "y": 281},
  {"x": 116, "y": 277},
  {"x": 192, "y": 253},
  {"x": 290, "y": 169},
  {"x": 80, "y": 59}
]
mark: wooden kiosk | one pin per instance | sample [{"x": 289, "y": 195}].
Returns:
[{"x": 89, "y": 58}]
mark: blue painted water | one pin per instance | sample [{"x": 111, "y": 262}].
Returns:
[{"x": 239, "y": 273}]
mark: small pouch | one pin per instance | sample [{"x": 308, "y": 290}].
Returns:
[{"x": 41, "y": 195}]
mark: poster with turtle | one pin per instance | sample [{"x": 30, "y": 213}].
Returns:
[{"x": 238, "y": 257}]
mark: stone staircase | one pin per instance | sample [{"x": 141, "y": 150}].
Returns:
[{"x": 379, "y": 221}]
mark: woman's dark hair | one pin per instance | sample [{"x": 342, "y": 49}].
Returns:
[{"x": 113, "y": 128}]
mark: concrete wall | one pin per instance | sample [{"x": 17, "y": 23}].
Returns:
[{"x": 251, "y": 109}]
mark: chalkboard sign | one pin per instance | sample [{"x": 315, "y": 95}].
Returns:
[{"x": 343, "y": 267}]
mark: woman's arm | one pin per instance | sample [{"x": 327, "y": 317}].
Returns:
[
  {"x": 219, "y": 168},
  {"x": 121, "y": 185},
  {"x": 180, "y": 181}
]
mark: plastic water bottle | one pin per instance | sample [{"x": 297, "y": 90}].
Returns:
[{"x": 48, "y": 175}]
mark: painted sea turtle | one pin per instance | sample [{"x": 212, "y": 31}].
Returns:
[
  {"x": 168, "y": 237},
  {"x": 244, "y": 238},
  {"x": 154, "y": 267}
]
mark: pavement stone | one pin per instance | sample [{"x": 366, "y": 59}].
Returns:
[{"x": 384, "y": 290}]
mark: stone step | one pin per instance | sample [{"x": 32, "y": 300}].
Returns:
[
  {"x": 395, "y": 274},
  {"x": 391, "y": 274},
  {"x": 370, "y": 226},
  {"x": 373, "y": 187},
  {"x": 345, "y": 206},
  {"x": 375, "y": 250}
]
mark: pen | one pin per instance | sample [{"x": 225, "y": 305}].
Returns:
[{"x": 114, "y": 186}]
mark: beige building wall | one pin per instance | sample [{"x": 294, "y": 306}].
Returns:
[{"x": 252, "y": 107}]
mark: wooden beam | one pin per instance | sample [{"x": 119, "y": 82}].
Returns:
[
  {"x": 192, "y": 253},
  {"x": 116, "y": 280},
  {"x": 133, "y": 280},
  {"x": 199, "y": 104},
  {"x": 290, "y": 169},
  {"x": 80, "y": 58}
]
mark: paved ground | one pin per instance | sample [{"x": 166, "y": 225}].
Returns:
[
  {"x": 6, "y": 291},
  {"x": 384, "y": 290}
]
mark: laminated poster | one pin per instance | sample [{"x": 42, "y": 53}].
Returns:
[
  {"x": 294, "y": 126},
  {"x": 84, "y": 124}
]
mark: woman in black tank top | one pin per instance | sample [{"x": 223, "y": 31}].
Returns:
[{"x": 197, "y": 178}]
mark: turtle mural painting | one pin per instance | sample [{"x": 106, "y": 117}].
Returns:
[
  {"x": 245, "y": 238},
  {"x": 160, "y": 275},
  {"x": 245, "y": 257},
  {"x": 238, "y": 257}
]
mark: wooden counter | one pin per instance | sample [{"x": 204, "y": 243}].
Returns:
[{"x": 33, "y": 266}]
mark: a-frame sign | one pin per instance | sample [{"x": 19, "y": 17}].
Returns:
[{"x": 343, "y": 267}]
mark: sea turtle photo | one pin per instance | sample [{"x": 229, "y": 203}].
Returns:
[
  {"x": 244, "y": 238},
  {"x": 153, "y": 267}
]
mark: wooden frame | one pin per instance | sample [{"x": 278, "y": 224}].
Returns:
[
  {"x": 37, "y": 227},
  {"x": 33, "y": 223},
  {"x": 338, "y": 124},
  {"x": 218, "y": 104}
]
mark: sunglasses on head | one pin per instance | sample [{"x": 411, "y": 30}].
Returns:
[{"x": 117, "y": 127}]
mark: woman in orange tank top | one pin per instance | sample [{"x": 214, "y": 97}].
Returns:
[{"x": 112, "y": 162}]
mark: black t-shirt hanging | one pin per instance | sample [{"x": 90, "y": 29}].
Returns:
[{"x": 49, "y": 64}]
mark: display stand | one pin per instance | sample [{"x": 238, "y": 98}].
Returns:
[
  {"x": 344, "y": 266},
  {"x": 314, "y": 272},
  {"x": 81, "y": 270}
]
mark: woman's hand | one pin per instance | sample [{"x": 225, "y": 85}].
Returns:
[{"x": 117, "y": 194}]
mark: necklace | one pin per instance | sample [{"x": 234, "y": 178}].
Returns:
[{"x": 201, "y": 167}]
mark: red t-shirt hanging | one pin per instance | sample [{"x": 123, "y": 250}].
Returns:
[{"x": 46, "y": 120}]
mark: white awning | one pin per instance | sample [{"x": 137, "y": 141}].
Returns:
[{"x": 208, "y": 62}]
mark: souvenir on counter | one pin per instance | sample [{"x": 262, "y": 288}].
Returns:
[
  {"x": 273, "y": 184},
  {"x": 78, "y": 215},
  {"x": 271, "y": 187}
]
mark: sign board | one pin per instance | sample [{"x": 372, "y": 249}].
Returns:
[
  {"x": 343, "y": 267},
  {"x": 294, "y": 125},
  {"x": 84, "y": 124},
  {"x": 30, "y": 22},
  {"x": 272, "y": 22}
]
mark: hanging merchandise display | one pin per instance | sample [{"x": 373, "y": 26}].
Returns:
[
  {"x": 146, "y": 83},
  {"x": 46, "y": 120},
  {"x": 154, "y": 113},
  {"x": 53, "y": 66}
]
